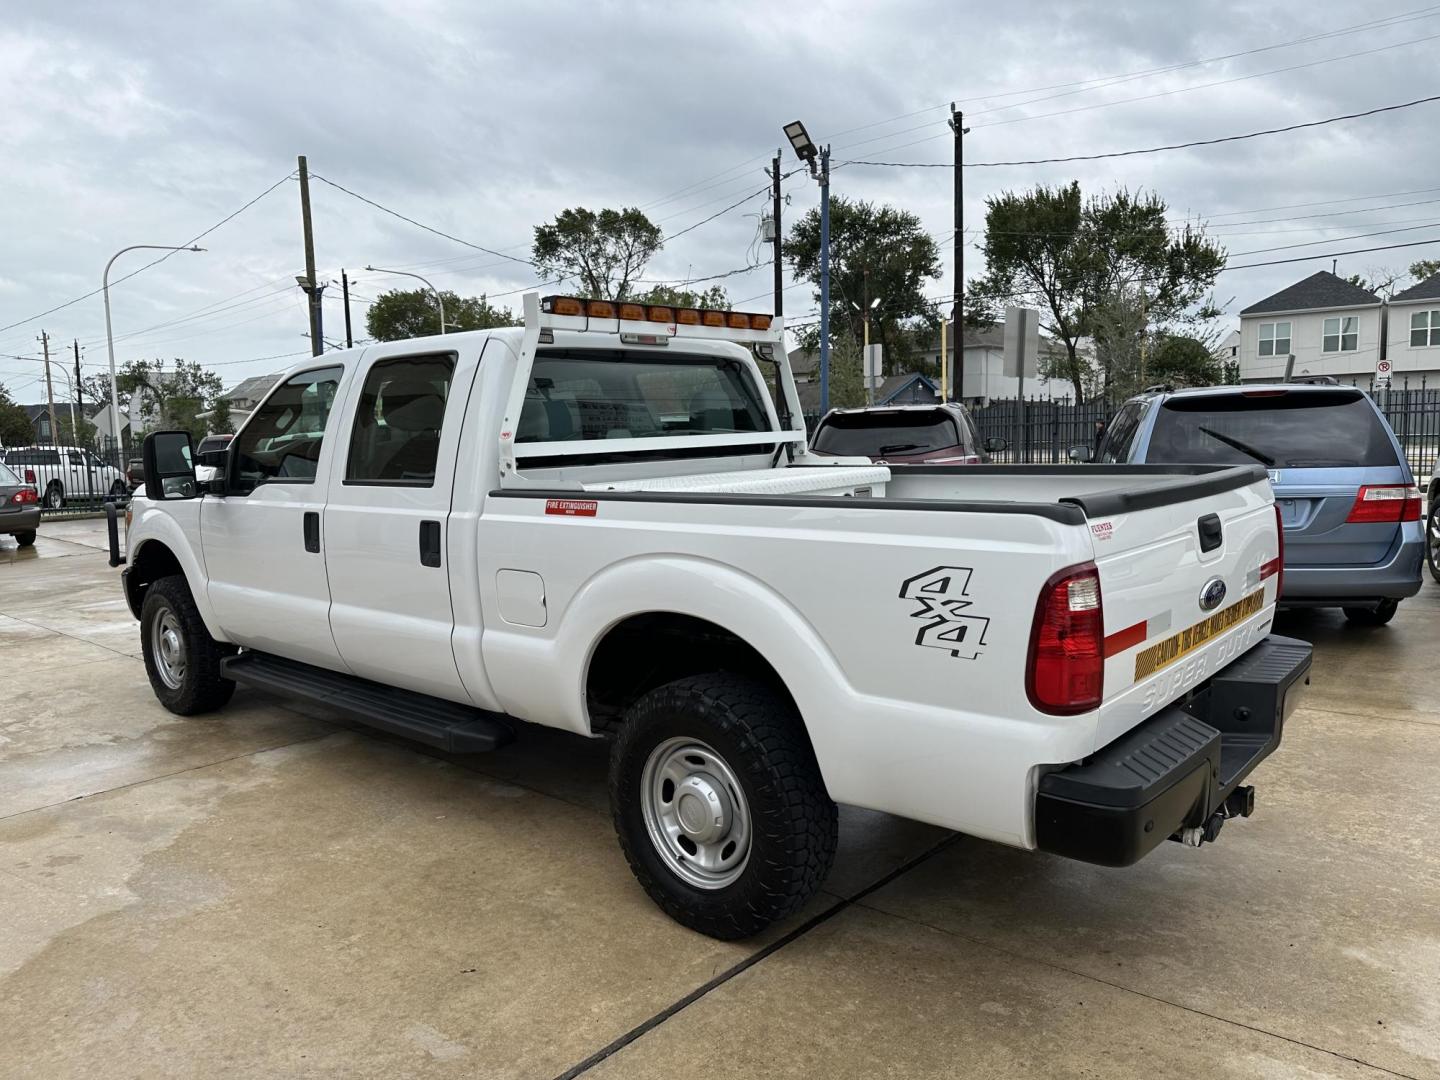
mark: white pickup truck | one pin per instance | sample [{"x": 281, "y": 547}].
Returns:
[{"x": 602, "y": 522}]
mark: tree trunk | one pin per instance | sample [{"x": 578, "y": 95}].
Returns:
[{"x": 1075, "y": 376}]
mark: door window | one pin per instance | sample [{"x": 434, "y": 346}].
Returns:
[
  {"x": 76, "y": 458},
  {"x": 396, "y": 437},
  {"x": 282, "y": 441},
  {"x": 1121, "y": 434}
]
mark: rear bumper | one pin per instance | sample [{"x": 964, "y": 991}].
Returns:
[
  {"x": 26, "y": 519},
  {"x": 1177, "y": 770},
  {"x": 1333, "y": 586}
]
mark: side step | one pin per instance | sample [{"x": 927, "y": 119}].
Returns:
[{"x": 445, "y": 725}]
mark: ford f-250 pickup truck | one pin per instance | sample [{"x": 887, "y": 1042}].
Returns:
[{"x": 607, "y": 521}]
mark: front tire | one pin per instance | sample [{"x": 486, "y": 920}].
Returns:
[
  {"x": 181, "y": 658},
  {"x": 1379, "y": 616},
  {"x": 1432, "y": 537},
  {"x": 719, "y": 805},
  {"x": 26, "y": 538}
]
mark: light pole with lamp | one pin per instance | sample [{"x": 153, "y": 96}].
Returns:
[
  {"x": 110, "y": 336},
  {"x": 439, "y": 300},
  {"x": 810, "y": 154},
  {"x": 865, "y": 356}
]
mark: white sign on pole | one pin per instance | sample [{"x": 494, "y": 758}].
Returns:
[
  {"x": 1022, "y": 341},
  {"x": 874, "y": 365}
]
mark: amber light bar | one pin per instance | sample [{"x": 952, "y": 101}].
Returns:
[{"x": 631, "y": 312}]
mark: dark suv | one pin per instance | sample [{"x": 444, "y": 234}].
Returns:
[{"x": 1347, "y": 497}]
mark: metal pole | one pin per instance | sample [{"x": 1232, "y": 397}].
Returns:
[
  {"x": 345, "y": 290},
  {"x": 439, "y": 300},
  {"x": 317, "y": 342},
  {"x": 79, "y": 394},
  {"x": 779, "y": 302},
  {"x": 109, "y": 333},
  {"x": 957, "y": 125},
  {"x": 49, "y": 389},
  {"x": 944, "y": 362},
  {"x": 865, "y": 355},
  {"x": 824, "y": 279}
]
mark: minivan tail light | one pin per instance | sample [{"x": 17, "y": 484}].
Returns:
[
  {"x": 1276, "y": 567},
  {"x": 1384, "y": 503},
  {"x": 1065, "y": 671}
]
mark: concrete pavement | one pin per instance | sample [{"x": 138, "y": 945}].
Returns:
[{"x": 272, "y": 891}]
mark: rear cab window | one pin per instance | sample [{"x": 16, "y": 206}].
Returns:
[
  {"x": 1299, "y": 429},
  {"x": 880, "y": 432}
]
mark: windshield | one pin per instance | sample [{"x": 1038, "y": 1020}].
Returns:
[
  {"x": 6, "y": 476},
  {"x": 627, "y": 394},
  {"x": 875, "y": 434},
  {"x": 1285, "y": 429}
]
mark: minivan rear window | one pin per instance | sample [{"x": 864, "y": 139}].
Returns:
[
  {"x": 1302, "y": 429},
  {"x": 872, "y": 434}
]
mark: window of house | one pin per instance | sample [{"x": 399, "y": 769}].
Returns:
[
  {"x": 1275, "y": 339},
  {"x": 1424, "y": 329},
  {"x": 396, "y": 438},
  {"x": 1341, "y": 335},
  {"x": 281, "y": 441}
]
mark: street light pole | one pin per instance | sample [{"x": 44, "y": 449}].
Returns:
[
  {"x": 439, "y": 300},
  {"x": 110, "y": 335},
  {"x": 824, "y": 178}
]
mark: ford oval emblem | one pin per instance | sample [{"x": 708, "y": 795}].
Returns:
[{"x": 1212, "y": 595}]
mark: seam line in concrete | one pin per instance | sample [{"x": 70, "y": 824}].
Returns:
[
  {"x": 62, "y": 633},
  {"x": 1016, "y": 955},
  {"x": 750, "y": 961},
  {"x": 1368, "y": 716}
]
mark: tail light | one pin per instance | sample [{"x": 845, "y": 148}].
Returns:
[
  {"x": 1385, "y": 503},
  {"x": 23, "y": 496},
  {"x": 30, "y": 476},
  {"x": 1065, "y": 672},
  {"x": 1276, "y": 567}
]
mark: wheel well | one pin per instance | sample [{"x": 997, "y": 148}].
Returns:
[
  {"x": 646, "y": 651},
  {"x": 152, "y": 562}
]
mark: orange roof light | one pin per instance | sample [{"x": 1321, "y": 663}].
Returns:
[
  {"x": 600, "y": 309},
  {"x": 662, "y": 314},
  {"x": 738, "y": 320},
  {"x": 633, "y": 311},
  {"x": 759, "y": 322},
  {"x": 688, "y": 317},
  {"x": 564, "y": 305},
  {"x": 712, "y": 318}
]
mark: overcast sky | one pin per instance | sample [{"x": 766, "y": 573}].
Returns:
[{"x": 129, "y": 124}]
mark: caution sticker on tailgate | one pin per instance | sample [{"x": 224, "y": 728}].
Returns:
[{"x": 1160, "y": 655}]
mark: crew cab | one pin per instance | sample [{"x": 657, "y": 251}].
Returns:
[{"x": 603, "y": 521}]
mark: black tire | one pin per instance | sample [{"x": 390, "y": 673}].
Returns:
[
  {"x": 793, "y": 824},
  {"x": 26, "y": 538},
  {"x": 54, "y": 496},
  {"x": 1377, "y": 617},
  {"x": 1432, "y": 536},
  {"x": 197, "y": 686},
  {"x": 118, "y": 489}
]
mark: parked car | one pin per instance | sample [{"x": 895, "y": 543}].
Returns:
[
  {"x": 65, "y": 473},
  {"x": 941, "y": 434},
  {"x": 135, "y": 474},
  {"x": 1347, "y": 497},
  {"x": 19, "y": 507},
  {"x": 607, "y": 528}
]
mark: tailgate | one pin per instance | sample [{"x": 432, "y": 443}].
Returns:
[{"x": 1187, "y": 583}]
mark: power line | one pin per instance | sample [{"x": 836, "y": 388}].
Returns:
[
  {"x": 1149, "y": 149},
  {"x": 1334, "y": 240},
  {"x": 719, "y": 213},
  {"x": 1333, "y": 254}
]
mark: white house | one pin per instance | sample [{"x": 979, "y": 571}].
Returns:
[
  {"x": 1413, "y": 335},
  {"x": 1330, "y": 326},
  {"x": 983, "y": 361}
]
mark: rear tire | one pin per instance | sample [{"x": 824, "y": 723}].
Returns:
[
  {"x": 26, "y": 538},
  {"x": 181, "y": 658},
  {"x": 1432, "y": 536},
  {"x": 723, "y": 760},
  {"x": 1377, "y": 617},
  {"x": 54, "y": 496}
]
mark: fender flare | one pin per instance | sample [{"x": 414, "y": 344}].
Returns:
[{"x": 156, "y": 528}]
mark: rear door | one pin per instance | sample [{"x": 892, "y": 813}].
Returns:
[
  {"x": 1320, "y": 446},
  {"x": 387, "y": 519}
]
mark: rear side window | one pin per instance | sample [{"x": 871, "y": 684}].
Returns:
[
  {"x": 6, "y": 476},
  {"x": 282, "y": 440},
  {"x": 1121, "y": 434},
  {"x": 875, "y": 434},
  {"x": 1295, "y": 429},
  {"x": 396, "y": 438},
  {"x": 33, "y": 457}
]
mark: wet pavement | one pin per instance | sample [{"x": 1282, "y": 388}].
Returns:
[{"x": 272, "y": 891}]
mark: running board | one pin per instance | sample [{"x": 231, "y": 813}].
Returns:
[{"x": 445, "y": 725}]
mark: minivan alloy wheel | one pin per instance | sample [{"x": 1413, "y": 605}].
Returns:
[{"x": 1432, "y": 539}]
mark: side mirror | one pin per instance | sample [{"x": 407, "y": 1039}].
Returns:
[
  {"x": 169, "y": 466},
  {"x": 1080, "y": 453},
  {"x": 996, "y": 445}
]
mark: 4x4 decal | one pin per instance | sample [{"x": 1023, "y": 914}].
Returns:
[{"x": 940, "y": 593}]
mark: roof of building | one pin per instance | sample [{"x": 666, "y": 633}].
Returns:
[
  {"x": 255, "y": 387},
  {"x": 1319, "y": 291},
  {"x": 1429, "y": 289},
  {"x": 894, "y": 384}
]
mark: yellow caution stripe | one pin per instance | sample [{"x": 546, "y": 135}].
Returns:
[{"x": 1148, "y": 661}]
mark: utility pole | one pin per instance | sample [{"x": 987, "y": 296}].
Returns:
[
  {"x": 865, "y": 355},
  {"x": 317, "y": 341},
  {"x": 49, "y": 389},
  {"x": 824, "y": 179},
  {"x": 79, "y": 386},
  {"x": 345, "y": 290},
  {"x": 779, "y": 303},
  {"x": 957, "y": 125}
]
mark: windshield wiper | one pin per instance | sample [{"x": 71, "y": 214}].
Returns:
[
  {"x": 1244, "y": 448},
  {"x": 899, "y": 447}
]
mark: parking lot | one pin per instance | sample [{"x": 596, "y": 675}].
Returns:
[{"x": 272, "y": 891}]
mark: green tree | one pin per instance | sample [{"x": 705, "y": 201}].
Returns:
[
  {"x": 15, "y": 428},
  {"x": 1052, "y": 249},
  {"x": 1181, "y": 360},
  {"x": 176, "y": 394},
  {"x": 603, "y": 253},
  {"x": 847, "y": 375},
  {"x": 221, "y": 422},
  {"x": 1425, "y": 268},
  {"x": 401, "y": 314},
  {"x": 670, "y": 296},
  {"x": 877, "y": 253}
]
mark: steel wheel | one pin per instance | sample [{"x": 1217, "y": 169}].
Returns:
[
  {"x": 1432, "y": 539},
  {"x": 167, "y": 647},
  {"x": 695, "y": 812}
]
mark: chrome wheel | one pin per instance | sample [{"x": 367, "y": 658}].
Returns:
[
  {"x": 167, "y": 648},
  {"x": 695, "y": 813}
]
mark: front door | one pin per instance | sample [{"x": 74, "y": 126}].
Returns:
[
  {"x": 387, "y": 519},
  {"x": 263, "y": 541}
]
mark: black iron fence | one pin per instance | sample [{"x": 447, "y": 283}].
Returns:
[{"x": 70, "y": 479}]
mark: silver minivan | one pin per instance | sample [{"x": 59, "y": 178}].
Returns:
[{"x": 1347, "y": 498}]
